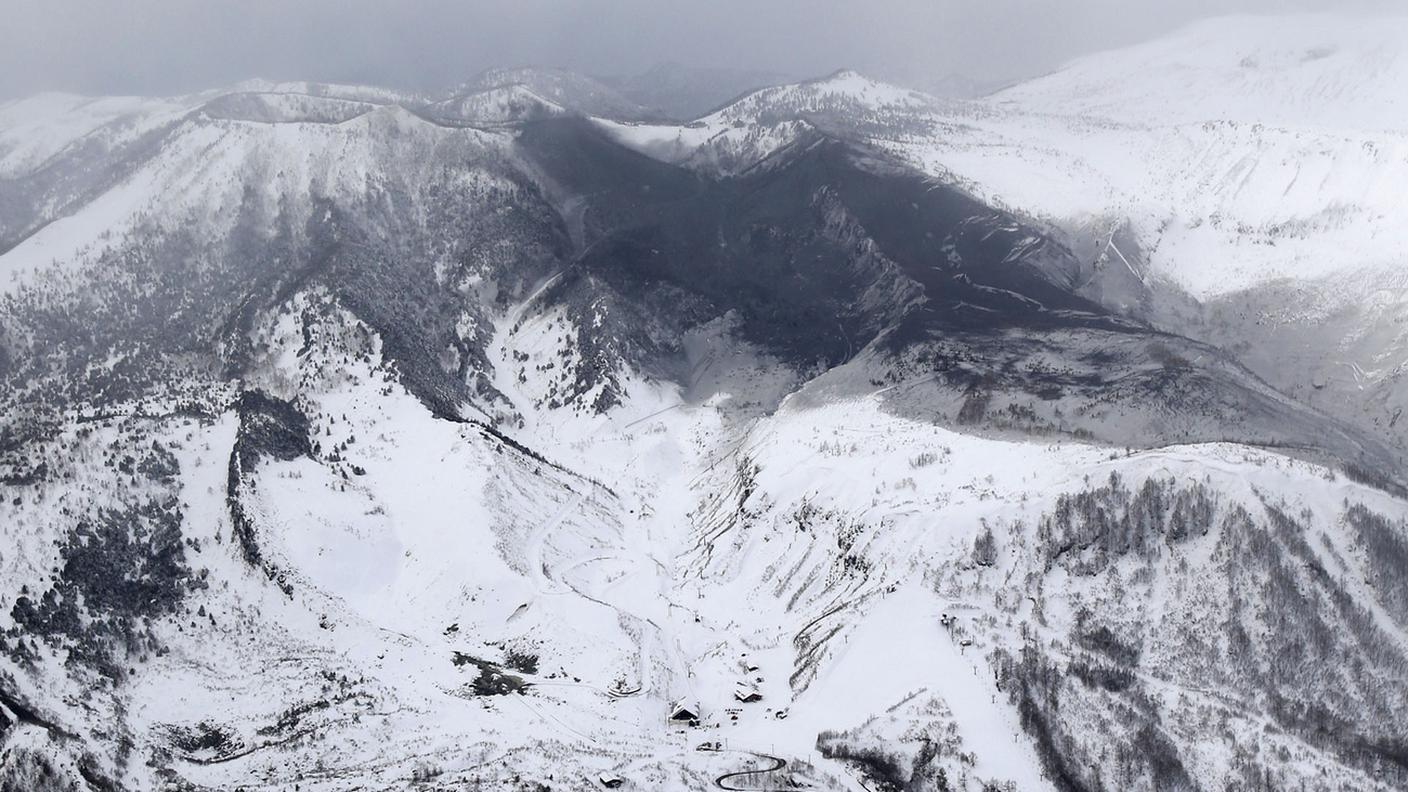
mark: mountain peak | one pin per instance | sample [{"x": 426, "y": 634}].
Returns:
[
  {"x": 507, "y": 103},
  {"x": 845, "y": 92},
  {"x": 564, "y": 88}
]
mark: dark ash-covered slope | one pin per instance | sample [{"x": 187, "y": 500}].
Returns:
[{"x": 828, "y": 254}]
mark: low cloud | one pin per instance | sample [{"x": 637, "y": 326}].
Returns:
[{"x": 174, "y": 46}]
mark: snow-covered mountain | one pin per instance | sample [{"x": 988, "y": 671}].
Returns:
[
  {"x": 564, "y": 88},
  {"x": 519, "y": 439},
  {"x": 1241, "y": 157},
  {"x": 1254, "y": 163},
  {"x": 1322, "y": 71}
]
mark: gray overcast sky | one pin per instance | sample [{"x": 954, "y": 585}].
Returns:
[{"x": 171, "y": 46}]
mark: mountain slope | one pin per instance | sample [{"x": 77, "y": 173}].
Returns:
[
  {"x": 1328, "y": 71},
  {"x": 1221, "y": 192}
]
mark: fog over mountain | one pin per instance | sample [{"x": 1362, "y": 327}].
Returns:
[
  {"x": 150, "y": 47},
  {"x": 576, "y": 396}
]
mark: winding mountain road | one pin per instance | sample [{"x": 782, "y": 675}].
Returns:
[{"x": 722, "y": 782}]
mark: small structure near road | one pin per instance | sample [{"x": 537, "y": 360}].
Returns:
[
  {"x": 747, "y": 694},
  {"x": 610, "y": 780},
  {"x": 684, "y": 711}
]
